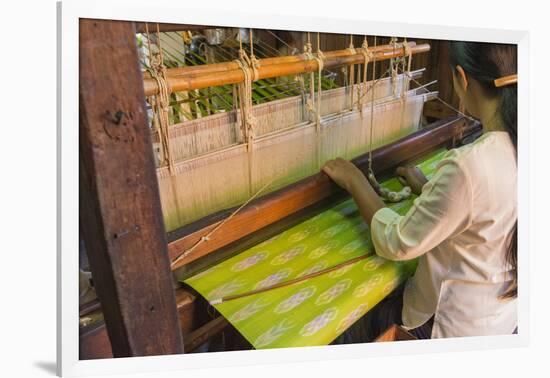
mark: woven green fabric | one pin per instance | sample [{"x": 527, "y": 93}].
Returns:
[{"x": 319, "y": 309}]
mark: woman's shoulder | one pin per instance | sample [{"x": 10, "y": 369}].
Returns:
[{"x": 489, "y": 144}]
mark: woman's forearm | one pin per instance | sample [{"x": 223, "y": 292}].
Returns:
[{"x": 366, "y": 198}]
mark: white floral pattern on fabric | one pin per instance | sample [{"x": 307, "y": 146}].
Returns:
[
  {"x": 315, "y": 218},
  {"x": 204, "y": 273},
  {"x": 320, "y": 265},
  {"x": 353, "y": 246},
  {"x": 341, "y": 271},
  {"x": 334, "y": 230},
  {"x": 367, "y": 286},
  {"x": 273, "y": 333},
  {"x": 274, "y": 278},
  {"x": 352, "y": 317},
  {"x": 269, "y": 241},
  {"x": 333, "y": 292},
  {"x": 249, "y": 261},
  {"x": 249, "y": 310},
  {"x": 286, "y": 256},
  {"x": 319, "y": 322},
  {"x": 295, "y": 300},
  {"x": 226, "y": 288},
  {"x": 374, "y": 263},
  {"x": 283, "y": 317},
  {"x": 301, "y": 235},
  {"x": 322, "y": 250}
]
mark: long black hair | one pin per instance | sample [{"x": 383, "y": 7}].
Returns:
[{"x": 486, "y": 62}]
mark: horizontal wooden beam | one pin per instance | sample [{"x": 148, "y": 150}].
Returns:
[
  {"x": 303, "y": 65},
  {"x": 230, "y": 66},
  {"x": 284, "y": 202},
  {"x": 198, "y": 337}
]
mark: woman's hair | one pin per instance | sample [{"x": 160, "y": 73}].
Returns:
[{"x": 486, "y": 62}]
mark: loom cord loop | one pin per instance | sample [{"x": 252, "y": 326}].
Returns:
[
  {"x": 352, "y": 51},
  {"x": 362, "y": 89},
  {"x": 394, "y": 64},
  {"x": 407, "y": 54},
  {"x": 161, "y": 103},
  {"x": 387, "y": 194},
  {"x": 249, "y": 67}
]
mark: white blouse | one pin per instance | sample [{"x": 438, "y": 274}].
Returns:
[{"x": 460, "y": 227}]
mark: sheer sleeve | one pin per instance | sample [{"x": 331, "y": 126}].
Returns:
[{"x": 444, "y": 209}]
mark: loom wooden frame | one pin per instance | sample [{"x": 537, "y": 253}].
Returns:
[
  {"x": 185, "y": 79},
  {"x": 122, "y": 302}
]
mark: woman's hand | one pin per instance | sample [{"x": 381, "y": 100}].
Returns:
[
  {"x": 349, "y": 177},
  {"x": 413, "y": 177},
  {"x": 344, "y": 173}
]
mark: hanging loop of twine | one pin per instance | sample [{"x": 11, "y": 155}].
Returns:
[
  {"x": 407, "y": 54},
  {"x": 352, "y": 50},
  {"x": 161, "y": 105},
  {"x": 249, "y": 67},
  {"x": 362, "y": 89},
  {"x": 382, "y": 192}
]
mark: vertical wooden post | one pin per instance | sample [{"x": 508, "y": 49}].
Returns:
[{"x": 120, "y": 209}]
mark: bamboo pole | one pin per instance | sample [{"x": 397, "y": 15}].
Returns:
[
  {"x": 281, "y": 68},
  {"x": 229, "y": 66}
]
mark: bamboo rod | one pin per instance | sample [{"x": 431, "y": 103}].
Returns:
[
  {"x": 229, "y": 66},
  {"x": 198, "y": 81},
  {"x": 293, "y": 281}
]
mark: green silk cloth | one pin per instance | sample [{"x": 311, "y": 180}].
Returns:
[{"x": 317, "y": 310}]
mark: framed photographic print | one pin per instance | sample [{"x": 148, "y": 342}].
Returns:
[{"x": 285, "y": 187}]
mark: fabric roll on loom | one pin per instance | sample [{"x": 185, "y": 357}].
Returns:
[{"x": 317, "y": 310}]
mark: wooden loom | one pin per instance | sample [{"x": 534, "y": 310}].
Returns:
[{"x": 117, "y": 238}]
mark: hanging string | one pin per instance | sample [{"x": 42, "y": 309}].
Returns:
[
  {"x": 351, "y": 49},
  {"x": 249, "y": 68},
  {"x": 254, "y": 62},
  {"x": 382, "y": 192},
  {"x": 161, "y": 104},
  {"x": 394, "y": 64},
  {"x": 308, "y": 54},
  {"x": 405, "y": 66},
  {"x": 423, "y": 86},
  {"x": 362, "y": 89},
  {"x": 320, "y": 64},
  {"x": 314, "y": 104},
  {"x": 372, "y": 111},
  {"x": 207, "y": 237},
  {"x": 407, "y": 57}
]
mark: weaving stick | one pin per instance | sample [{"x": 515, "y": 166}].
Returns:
[{"x": 289, "y": 282}]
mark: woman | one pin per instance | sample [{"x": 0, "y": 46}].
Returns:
[{"x": 463, "y": 225}]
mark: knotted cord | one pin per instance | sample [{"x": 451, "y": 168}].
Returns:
[
  {"x": 160, "y": 104},
  {"x": 362, "y": 89},
  {"x": 308, "y": 54},
  {"x": 351, "y": 49},
  {"x": 320, "y": 64},
  {"x": 394, "y": 64},
  {"x": 382, "y": 192}
]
